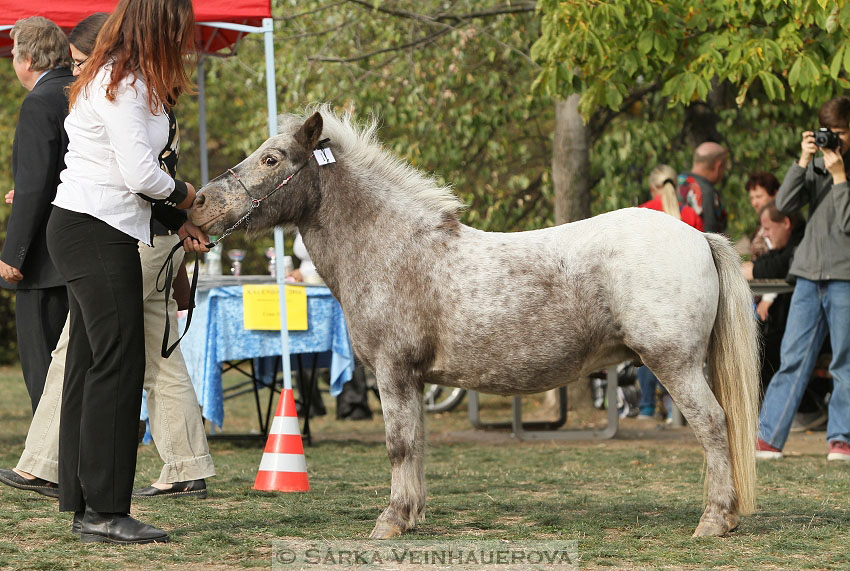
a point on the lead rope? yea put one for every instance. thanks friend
(168, 265)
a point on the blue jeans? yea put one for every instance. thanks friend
(647, 381)
(816, 308)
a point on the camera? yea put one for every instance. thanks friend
(826, 139)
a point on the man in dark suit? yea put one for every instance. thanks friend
(41, 58)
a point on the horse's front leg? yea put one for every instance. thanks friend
(404, 420)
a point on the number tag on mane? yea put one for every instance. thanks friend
(324, 156)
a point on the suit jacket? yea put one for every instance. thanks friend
(38, 157)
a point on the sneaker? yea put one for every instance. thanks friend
(765, 451)
(645, 417)
(838, 450)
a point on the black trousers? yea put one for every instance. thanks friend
(105, 365)
(39, 318)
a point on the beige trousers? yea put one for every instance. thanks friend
(175, 416)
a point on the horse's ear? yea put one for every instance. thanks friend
(310, 132)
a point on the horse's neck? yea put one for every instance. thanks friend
(356, 236)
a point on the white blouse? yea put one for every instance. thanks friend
(113, 149)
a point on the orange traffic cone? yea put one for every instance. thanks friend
(283, 467)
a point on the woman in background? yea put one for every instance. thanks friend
(116, 127)
(662, 184)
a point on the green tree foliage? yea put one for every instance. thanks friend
(604, 50)
(452, 84)
(762, 67)
(451, 90)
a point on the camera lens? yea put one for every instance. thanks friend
(826, 139)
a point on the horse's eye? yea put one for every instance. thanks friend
(269, 161)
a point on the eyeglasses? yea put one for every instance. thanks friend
(79, 64)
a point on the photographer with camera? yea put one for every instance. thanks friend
(821, 300)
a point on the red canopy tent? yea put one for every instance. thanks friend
(213, 16)
(220, 25)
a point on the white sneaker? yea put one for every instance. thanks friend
(838, 450)
(765, 451)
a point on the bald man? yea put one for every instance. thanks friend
(696, 187)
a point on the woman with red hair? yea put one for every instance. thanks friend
(116, 127)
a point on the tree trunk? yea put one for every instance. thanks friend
(701, 119)
(571, 181)
(570, 163)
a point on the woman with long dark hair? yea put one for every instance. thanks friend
(116, 127)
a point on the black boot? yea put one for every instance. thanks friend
(77, 523)
(117, 528)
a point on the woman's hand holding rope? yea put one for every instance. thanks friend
(194, 239)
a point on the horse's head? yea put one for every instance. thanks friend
(279, 179)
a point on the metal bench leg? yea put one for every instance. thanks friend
(476, 421)
(587, 434)
(542, 430)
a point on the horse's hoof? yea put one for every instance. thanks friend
(732, 521)
(385, 530)
(710, 529)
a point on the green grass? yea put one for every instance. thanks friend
(632, 502)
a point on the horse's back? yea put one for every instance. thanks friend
(578, 294)
(633, 247)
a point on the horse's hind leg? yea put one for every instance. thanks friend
(401, 401)
(693, 396)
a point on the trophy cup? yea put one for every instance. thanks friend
(236, 256)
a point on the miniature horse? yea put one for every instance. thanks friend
(430, 300)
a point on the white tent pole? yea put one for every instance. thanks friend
(213, 257)
(271, 98)
(202, 121)
(271, 90)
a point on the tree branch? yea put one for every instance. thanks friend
(535, 188)
(309, 12)
(495, 11)
(425, 40)
(599, 121)
(314, 34)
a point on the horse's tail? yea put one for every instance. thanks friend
(733, 367)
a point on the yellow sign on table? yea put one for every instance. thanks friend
(261, 307)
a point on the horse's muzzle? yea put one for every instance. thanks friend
(205, 214)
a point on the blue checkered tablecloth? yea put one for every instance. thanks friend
(217, 334)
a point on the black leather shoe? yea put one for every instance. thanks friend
(188, 489)
(43, 487)
(118, 528)
(77, 523)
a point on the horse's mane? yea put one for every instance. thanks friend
(359, 145)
